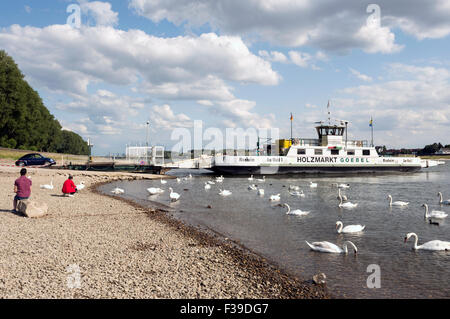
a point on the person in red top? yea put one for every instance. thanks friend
(69, 187)
(22, 187)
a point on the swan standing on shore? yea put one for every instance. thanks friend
(327, 247)
(48, 186)
(434, 214)
(397, 203)
(117, 190)
(297, 212)
(443, 202)
(431, 245)
(349, 228)
(173, 196)
(80, 186)
(347, 205)
(155, 190)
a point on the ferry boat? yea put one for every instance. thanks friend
(331, 152)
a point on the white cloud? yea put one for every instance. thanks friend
(100, 12)
(360, 76)
(163, 117)
(299, 58)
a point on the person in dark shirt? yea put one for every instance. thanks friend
(22, 187)
(69, 187)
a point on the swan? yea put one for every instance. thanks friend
(262, 179)
(434, 214)
(312, 185)
(155, 190)
(261, 192)
(397, 203)
(274, 198)
(296, 212)
(252, 187)
(173, 196)
(443, 202)
(294, 188)
(327, 247)
(117, 190)
(80, 186)
(346, 205)
(219, 179)
(431, 245)
(48, 186)
(225, 192)
(297, 193)
(344, 197)
(207, 186)
(211, 183)
(349, 228)
(251, 178)
(344, 186)
(178, 180)
(163, 181)
(190, 176)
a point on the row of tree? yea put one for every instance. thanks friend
(427, 150)
(25, 122)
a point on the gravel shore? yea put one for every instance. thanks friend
(97, 246)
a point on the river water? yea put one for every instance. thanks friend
(264, 227)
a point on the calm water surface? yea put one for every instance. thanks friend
(263, 226)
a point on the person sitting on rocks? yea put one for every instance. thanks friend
(69, 188)
(22, 188)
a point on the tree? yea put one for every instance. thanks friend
(25, 122)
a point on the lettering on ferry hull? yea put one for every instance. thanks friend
(329, 159)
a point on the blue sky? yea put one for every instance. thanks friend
(235, 64)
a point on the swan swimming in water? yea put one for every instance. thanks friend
(274, 198)
(297, 193)
(117, 190)
(225, 192)
(443, 202)
(344, 186)
(173, 196)
(297, 212)
(312, 185)
(327, 247)
(347, 205)
(294, 188)
(261, 192)
(207, 186)
(344, 197)
(434, 214)
(250, 178)
(349, 228)
(397, 203)
(262, 180)
(163, 181)
(252, 187)
(431, 245)
(155, 190)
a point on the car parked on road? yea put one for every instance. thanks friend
(35, 159)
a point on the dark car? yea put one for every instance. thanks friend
(34, 159)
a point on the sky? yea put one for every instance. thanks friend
(105, 69)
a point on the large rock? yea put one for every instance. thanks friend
(32, 209)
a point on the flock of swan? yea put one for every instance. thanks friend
(319, 246)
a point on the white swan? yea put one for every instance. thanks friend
(347, 205)
(262, 180)
(344, 186)
(344, 197)
(294, 188)
(327, 247)
(178, 180)
(163, 181)
(274, 198)
(297, 212)
(219, 179)
(397, 203)
(297, 193)
(252, 187)
(117, 190)
(261, 192)
(434, 214)
(251, 178)
(211, 183)
(349, 228)
(431, 245)
(225, 192)
(443, 202)
(312, 185)
(80, 186)
(155, 190)
(173, 196)
(48, 186)
(207, 186)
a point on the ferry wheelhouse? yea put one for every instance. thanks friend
(331, 152)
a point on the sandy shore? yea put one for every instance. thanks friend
(122, 250)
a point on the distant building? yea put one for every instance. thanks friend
(443, 151)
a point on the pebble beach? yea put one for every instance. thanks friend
(98, 246)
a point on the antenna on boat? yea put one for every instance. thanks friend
(329, 114)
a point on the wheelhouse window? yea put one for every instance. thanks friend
(301, 151)
(366, 152)
(318, 151)
(350, 152)
(334, 152)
